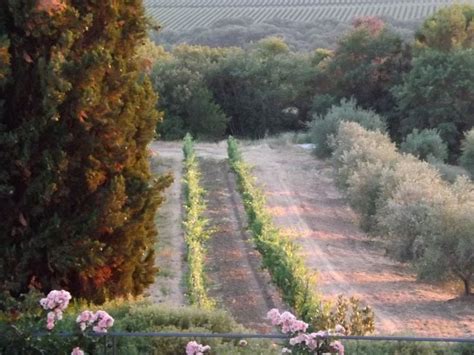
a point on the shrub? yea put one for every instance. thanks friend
(467, 156)
(450, 248)
(186, 101)
(426, 144)
(323, 129)
(408, 217)
(322, 104)
(354, 145)
(304, 339)
(196, 230)
(365, 187)
(425, 219)
(448, 172)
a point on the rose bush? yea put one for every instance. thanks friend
(303, 342)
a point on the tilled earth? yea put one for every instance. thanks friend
(237, 280)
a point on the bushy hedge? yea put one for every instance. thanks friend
(287, 269)
(426, 144)
(449, 172)
(196, 230)
(424, 218)
(323, 129)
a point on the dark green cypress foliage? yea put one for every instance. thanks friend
(76, 196)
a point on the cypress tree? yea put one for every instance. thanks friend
(76, 115)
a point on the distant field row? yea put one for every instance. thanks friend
(188, 14)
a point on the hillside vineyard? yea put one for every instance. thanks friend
(188, 14)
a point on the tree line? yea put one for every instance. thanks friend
(266, 88)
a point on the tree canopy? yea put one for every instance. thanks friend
(78, 200)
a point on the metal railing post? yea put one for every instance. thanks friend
(114, 345)
(105, 344)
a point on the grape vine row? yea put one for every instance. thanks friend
(188, 14)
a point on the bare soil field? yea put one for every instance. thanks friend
(237, 281)
(306, 204)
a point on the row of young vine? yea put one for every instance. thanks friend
(196, 230)
(188, 16)
(288, 271)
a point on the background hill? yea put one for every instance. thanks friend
(304, 24)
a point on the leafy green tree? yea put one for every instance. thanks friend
(448, 29)
(78, 200)
(366, 64)
(186, 101)
(426, 145)
(439, 93)
(264, 90)
(323, 129)
(450, 247)
(272, 46)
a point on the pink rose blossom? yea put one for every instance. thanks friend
(274, 316)
(77, 351)
(289, 323)
(340, 329)
(97, 329)
(321, 334)
(100, 321)
(55, 302)
(337, 346)
(309, 343)
(307, 339)
(51, 317)
(194, 348)
(85, 317)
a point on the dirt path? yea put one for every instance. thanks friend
(236, 279)
(170, 244)
(305, 202)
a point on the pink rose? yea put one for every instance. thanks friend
(194, 348)
(77, 351)
(337, 346)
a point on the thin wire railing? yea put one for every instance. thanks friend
(110, 340)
